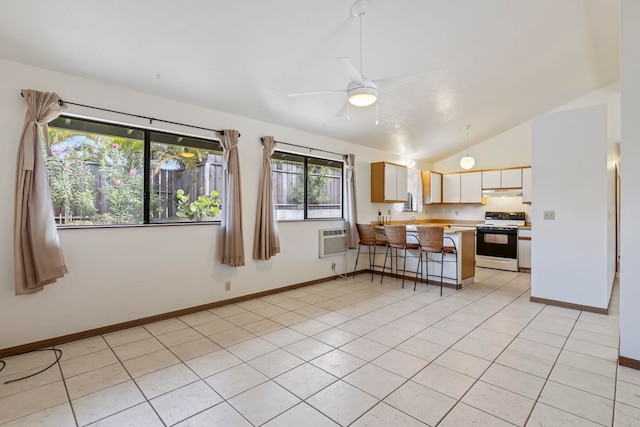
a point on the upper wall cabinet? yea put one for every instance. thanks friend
(431, 187)
(471, 187)
(526, 185)
(388, 183)
(463, 187)
(451, 188)
(491, 179)
(512, 178)
(505, 178)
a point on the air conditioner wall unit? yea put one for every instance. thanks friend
(332, 242)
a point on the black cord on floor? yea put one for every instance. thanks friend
(58, 357)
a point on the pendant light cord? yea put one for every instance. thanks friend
(468, 126)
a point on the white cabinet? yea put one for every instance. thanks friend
(511, 178)
(451, 188)
(524, 249)
(491, 179)
(505, 178)
(471, 187)
(388, 182)
(431, 187)
(526, 185)
(462, 187)
(402, 183)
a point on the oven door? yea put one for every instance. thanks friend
(499, 242)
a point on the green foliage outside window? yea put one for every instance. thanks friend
(316, 186)
(207, 205)
(71, 185)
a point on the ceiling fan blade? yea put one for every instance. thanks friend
(343, 111)
(317, 92)
(398, 102)
(351, 72)
(395, 81)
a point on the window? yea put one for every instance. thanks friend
(97, 174)
(306, 187)
(414, 195)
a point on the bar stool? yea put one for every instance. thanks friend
(369, 238)
(432, 242)
(397, 241)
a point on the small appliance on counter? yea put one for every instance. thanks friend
(497, 240)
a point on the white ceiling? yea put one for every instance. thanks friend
(495, 63)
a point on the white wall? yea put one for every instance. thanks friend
(571, 176)
(508, 149)
(630, 181)
(121, 274)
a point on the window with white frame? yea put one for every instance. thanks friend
(102, 173)
(414, 191)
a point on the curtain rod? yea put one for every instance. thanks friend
(307, 148)
(151, 119)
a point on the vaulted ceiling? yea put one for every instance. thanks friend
(492, 64)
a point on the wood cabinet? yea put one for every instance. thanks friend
(451, 188)
(431, 187)
(526, 185)
(505, 178)
(471, 187)
(388, 183)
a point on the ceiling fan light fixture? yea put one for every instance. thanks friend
(363, 96)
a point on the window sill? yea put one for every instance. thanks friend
(310, 219)
(169, 224)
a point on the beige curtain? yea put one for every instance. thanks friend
(38, 257)
(350, 210)
(233, 243)
(266, 242)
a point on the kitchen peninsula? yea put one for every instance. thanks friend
(456, 274)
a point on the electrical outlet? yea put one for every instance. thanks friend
(388, 211)
(227, 285)
(333, 266)
(549, 215)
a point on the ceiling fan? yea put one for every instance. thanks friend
(362, 91)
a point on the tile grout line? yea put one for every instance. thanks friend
(66, 389)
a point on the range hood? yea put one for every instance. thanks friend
(506, 192)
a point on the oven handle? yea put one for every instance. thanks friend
(494, 231)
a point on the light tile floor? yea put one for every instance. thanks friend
(345, 352)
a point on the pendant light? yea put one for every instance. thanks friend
(467, 162)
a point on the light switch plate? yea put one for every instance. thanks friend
(550, 215)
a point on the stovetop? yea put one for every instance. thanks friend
(504, 219)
